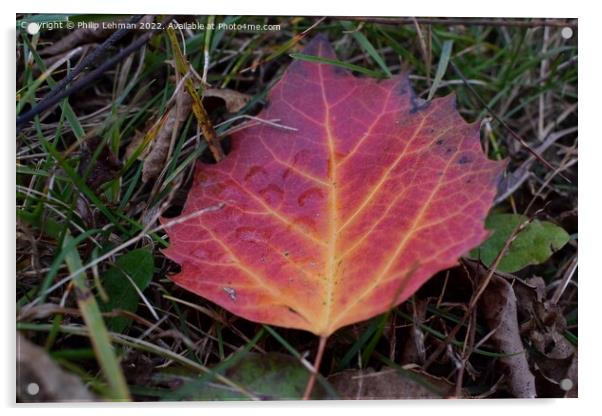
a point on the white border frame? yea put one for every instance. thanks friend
(589, 195)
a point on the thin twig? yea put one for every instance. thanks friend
(316, 368)
(462, 21)
(515, 179)
(565, 280)
(86, 81)
(183, 67)
(93, 57)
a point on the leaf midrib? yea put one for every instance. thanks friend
(331, 268)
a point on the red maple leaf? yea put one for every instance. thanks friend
(343, 218)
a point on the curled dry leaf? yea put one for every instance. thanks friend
(343, 218)
(542, 326)
(499, 310)
(163, 130)
(36, 368)
(234, 100)
(154, 162)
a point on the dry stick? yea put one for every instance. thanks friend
(503, 123)
(424, 50)
(466, 351)
(47, 73)
(461, 21)
(86, 81)
(183, 67)
(516, 178)
(314, 373)
(565, 280)
(93, 57)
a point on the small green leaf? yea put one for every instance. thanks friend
(138, 266)
(533, 245)
(270, 376)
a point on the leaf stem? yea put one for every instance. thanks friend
(312, 378)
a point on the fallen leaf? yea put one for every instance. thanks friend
(543, 325)
(234, 100)
(343, 218)
(533, 245)
(158, 133)
(499, 310)
(133, 268)
(270, 376)
(389, 384)
(40, 379)
(154, 161)
(534, 308)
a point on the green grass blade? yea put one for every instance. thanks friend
(99, 335)
(365, 44)
(446, 50)
(357, 346)
(351, 67)
(66, 108)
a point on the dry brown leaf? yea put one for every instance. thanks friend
(37, 371)
(134, 145)
(389, 384)
(543, 325)
(234, 100)
(168, 125)
(498, 308)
